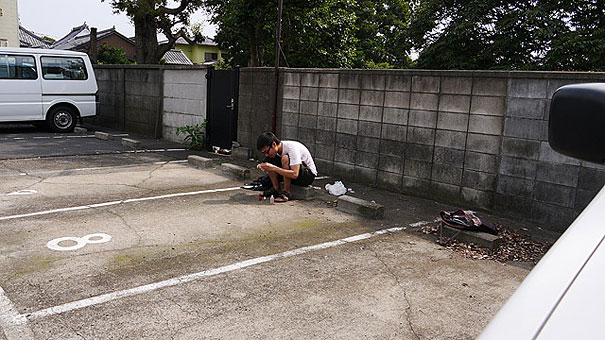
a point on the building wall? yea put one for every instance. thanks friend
(475, 139)
(9, 22)
(196, 53)
(114, 40)
(152, 100)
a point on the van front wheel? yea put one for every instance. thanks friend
(61, 119)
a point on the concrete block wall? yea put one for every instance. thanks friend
(111, 97)
(185, 94)
(256, 98)
(152, 100)
(143, 88)
(476, 139)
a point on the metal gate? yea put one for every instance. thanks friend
(222, 107)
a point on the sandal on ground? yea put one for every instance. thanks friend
(283, 197)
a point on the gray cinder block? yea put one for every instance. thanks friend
(200, 162)
(528, 88)
(131, 143)
(241, 153)
(357, 206)
(236, 170)
(328, 80)
(103, 135)
(80, 130)
(302, 193)
(480, 239)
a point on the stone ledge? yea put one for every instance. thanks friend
(80, 130)
(236, 170)
(131, 143)
(200, 162)
(357, 206)
(242, 153)
(302, 193)
(478, 238)
(103, 135)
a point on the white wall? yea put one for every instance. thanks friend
(9, 22)
(184, 100)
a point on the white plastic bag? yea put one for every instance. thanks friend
(336, 189)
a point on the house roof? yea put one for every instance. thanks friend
(81, 35)
(176, 57)
(30, 39)
(182, 41)
(66, 42)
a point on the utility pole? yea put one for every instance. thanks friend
(277, 50)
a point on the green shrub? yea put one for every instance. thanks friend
(195, 135)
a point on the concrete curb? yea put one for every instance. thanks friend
(480, 239)
(242, 153)
(357, 206)
(200, 162)
(103, 135)
(80, 130)
(131, 143)
(302, 193)
(236, 170)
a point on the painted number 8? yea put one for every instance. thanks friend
(80, 241)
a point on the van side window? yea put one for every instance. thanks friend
(17, 67)
(63, 68)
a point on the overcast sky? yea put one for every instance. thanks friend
(56, 18)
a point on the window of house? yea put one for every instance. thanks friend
(63, 68)
(3, 43)
(210, 56)
(17, 67)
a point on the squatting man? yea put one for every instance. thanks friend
(287, 160)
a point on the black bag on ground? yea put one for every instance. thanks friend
(467, 220)
(260, 184)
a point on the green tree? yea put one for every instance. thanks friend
(381, 34)
(153, 16)
(509, 34)
(315, 33)
(112, 55)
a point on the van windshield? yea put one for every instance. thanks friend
(63, 68)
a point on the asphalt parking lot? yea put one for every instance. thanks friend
(99, 242)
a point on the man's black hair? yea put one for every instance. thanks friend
(266, 139)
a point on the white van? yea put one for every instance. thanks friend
(54, 87)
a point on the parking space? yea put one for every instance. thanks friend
(142, 245)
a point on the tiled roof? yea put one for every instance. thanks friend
(67, 41)
(176, 57)
(81, 35)
(31, 40)
(182, 41)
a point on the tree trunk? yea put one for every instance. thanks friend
(146, 41)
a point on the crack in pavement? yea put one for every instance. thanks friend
(139, 237)
(150, 174)
(409, 305)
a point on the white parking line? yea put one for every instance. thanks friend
(99, 299)
(96, 168)
(11, 322)
(106, 204)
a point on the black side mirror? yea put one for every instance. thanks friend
(576, 126)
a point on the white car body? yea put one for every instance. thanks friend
(562, 297)
(32, 99)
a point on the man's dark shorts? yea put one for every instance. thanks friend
(305, 176)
